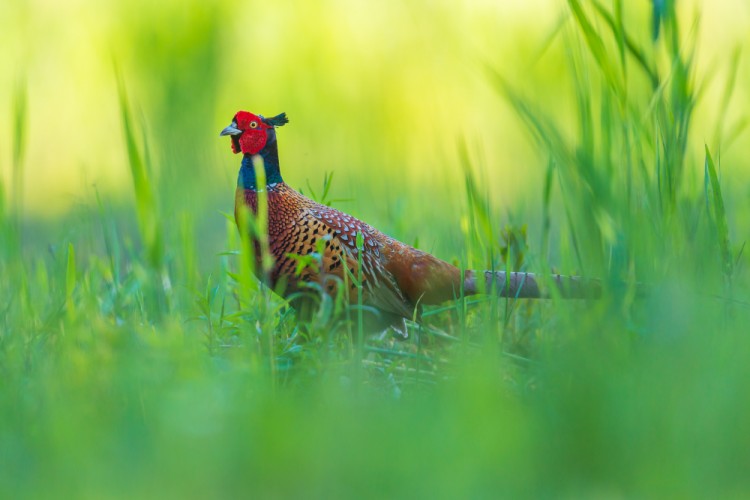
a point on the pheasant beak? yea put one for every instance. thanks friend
(231, 130)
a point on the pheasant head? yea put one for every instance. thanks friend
(250, 133)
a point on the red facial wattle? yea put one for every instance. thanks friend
(254, 135)
(252, 142)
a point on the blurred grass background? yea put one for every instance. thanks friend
(137, 356)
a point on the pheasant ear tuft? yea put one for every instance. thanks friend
(276, 121)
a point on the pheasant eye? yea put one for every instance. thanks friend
(253, 124)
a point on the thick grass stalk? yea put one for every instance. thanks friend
(261, 219)
(626, 44)
(715, 201)
(70, 282)
(111, 241)
(597, 47)
(20, 126)
(20, 118)
(145, 198)
(360, 243)
(258, 233)
(481, 226)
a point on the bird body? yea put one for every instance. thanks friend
(396, 278)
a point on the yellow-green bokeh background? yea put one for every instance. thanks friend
(146, 374)
(380, 93)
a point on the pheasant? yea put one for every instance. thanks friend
(396, 278)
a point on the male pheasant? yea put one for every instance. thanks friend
(397, 279)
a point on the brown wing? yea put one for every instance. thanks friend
(380, 288)
(409, 276)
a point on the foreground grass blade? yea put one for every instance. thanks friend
(146, 206)
(719, 216)
(20, 126)
(596, 46)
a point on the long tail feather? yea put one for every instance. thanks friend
(527, 285)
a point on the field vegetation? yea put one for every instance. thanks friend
(140, 358)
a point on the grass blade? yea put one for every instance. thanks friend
(596, 46)
(719, 216)
(70, 280)
(146, 206)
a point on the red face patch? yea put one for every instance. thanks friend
(254, 135)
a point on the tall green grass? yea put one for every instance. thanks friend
(135, 363)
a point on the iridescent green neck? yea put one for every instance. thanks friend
(270, 157)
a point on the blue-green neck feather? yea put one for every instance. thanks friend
(270, 156)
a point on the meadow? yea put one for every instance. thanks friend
(139, 356)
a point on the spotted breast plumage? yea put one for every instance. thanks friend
(396, 278)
